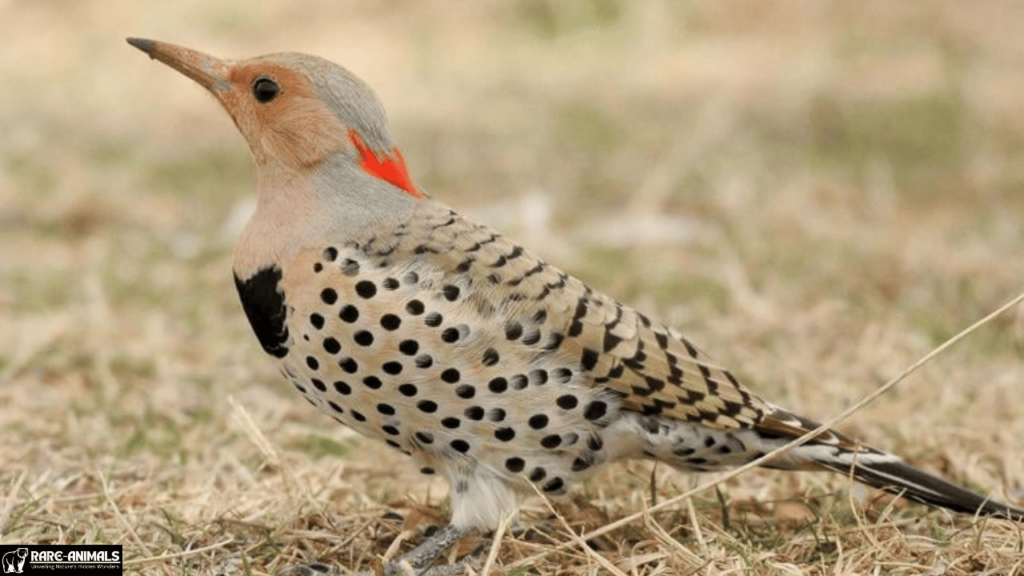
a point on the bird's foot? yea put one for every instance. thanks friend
(311, 569)
(390, 569)
(416, 562)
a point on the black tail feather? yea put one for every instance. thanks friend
(893, 475)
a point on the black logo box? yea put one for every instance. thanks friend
(39, 558)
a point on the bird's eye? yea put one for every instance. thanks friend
(265, 90)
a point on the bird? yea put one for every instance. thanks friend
(408, 322)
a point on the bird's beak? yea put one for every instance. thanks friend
(211, 73)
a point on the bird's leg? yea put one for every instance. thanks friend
(418, 560)
(426, 552)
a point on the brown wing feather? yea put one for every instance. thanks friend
(658, 370)
(654, 369)
(787, 425)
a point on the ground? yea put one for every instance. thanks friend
(818, 194)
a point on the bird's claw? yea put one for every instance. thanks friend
(390, 569)
(311, 569)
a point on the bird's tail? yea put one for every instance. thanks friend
(833, 451)
(894, 475)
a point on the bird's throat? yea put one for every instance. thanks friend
(390, 168)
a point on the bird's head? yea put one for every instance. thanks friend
(296, 111)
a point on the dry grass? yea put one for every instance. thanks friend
(818, 193)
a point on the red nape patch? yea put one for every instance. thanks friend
(390, 169)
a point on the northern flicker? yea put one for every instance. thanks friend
(398, 317)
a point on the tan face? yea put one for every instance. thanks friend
(280, 116)
(288, 124)
(273, 105)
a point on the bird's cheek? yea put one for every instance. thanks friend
(248, 122)
(303, 135)
(290, 149)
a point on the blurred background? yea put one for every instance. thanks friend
(816, 192)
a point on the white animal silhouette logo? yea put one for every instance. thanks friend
(14, 561)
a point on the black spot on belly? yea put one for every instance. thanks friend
(595, 410)
(562, 375)
(567, 401)
(518, 381)
(390, 322)
(363, 338)
(498, 385)
(349, 313)
(332, 346)
(329, 296)
(349, 267)
(409, 347)
(554, 485)
(582, 463)
(490, 357)
(551, 441)
(513, 330)
(366, 289)
(265, 308)
(451, 293)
